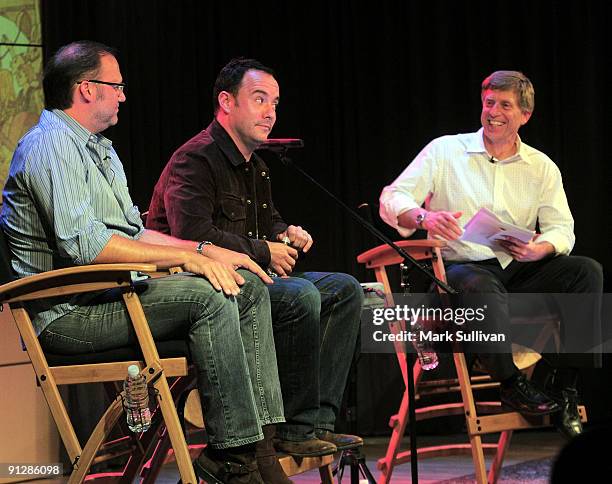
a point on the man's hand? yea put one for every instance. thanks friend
(282, 258)
(526, 251)
(443, 224)
(298, 237)
(235, 260)
(223, 277)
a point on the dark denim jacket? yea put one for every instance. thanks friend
(208, 191)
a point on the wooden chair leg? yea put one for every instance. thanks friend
(498, 460)
(325, 472)
(399, 421)
(166, 402)
(180, 389)
(47, 384)
(100, 433)
(469, 407)
(480, 467)
(175, 432)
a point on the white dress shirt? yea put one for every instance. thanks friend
(458, 172)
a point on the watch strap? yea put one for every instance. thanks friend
(201, 245)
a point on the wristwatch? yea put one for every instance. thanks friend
(201, 245)
(420, 218)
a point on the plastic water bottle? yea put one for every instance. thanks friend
(428, 358)
(137, 400)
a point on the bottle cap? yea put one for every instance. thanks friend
(133, 370)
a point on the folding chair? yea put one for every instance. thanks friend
(110, 366)
(481, 417)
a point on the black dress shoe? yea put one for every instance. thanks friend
(227, 467)
(523, 396)
(341, 441)
(568, 420)
(305, 448)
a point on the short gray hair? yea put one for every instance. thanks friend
(512, 81)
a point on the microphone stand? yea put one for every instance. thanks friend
(282, 154)
(408, 259)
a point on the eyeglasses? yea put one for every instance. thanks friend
(117, 86)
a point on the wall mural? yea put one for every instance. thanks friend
(21, 96)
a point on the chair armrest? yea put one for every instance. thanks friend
(383, 255)
(71, 280)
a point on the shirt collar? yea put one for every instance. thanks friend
(226, 143)
(83, 134)
(475, 144)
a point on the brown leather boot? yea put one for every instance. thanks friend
(235, 465)
(270, 469)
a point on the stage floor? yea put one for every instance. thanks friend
(527, 447)
(528, 460)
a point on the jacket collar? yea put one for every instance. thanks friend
(226, 143)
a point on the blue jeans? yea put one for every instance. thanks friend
(230, 340)
(316, 321)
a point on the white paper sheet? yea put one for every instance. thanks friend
(486, 228)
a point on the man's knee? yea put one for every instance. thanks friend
(295, 299)
(349, 288)
(308, 298)
(253, 286)
(588, 272)
(200, 290)
(191, 296)
(470, 278)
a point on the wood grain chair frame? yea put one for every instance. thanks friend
(481, 417)
(83, 279)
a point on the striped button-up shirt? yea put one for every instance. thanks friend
(65, 196)
(523, 189)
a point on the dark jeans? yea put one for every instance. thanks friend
(230, 340)
(316, 321)
(562, 274)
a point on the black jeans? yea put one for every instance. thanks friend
(561, 274)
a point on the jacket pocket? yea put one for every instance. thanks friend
(233, 207)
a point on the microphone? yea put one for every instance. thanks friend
(281, 144)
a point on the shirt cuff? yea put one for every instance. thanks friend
(91, 244)
(558, 241)
(262, 253)
(392, 208)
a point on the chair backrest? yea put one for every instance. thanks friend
(6, 270)
(379, 257)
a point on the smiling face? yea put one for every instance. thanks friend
(251, 114)
(501, 116)
(106, 106)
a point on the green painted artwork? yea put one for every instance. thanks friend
(21, 96)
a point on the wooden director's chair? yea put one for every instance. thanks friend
(165, 439)
(481, 417)
(53, 371)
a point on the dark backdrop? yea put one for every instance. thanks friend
(366, 85)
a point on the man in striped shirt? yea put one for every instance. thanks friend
(66, 203)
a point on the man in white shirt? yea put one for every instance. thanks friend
(493, 168)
